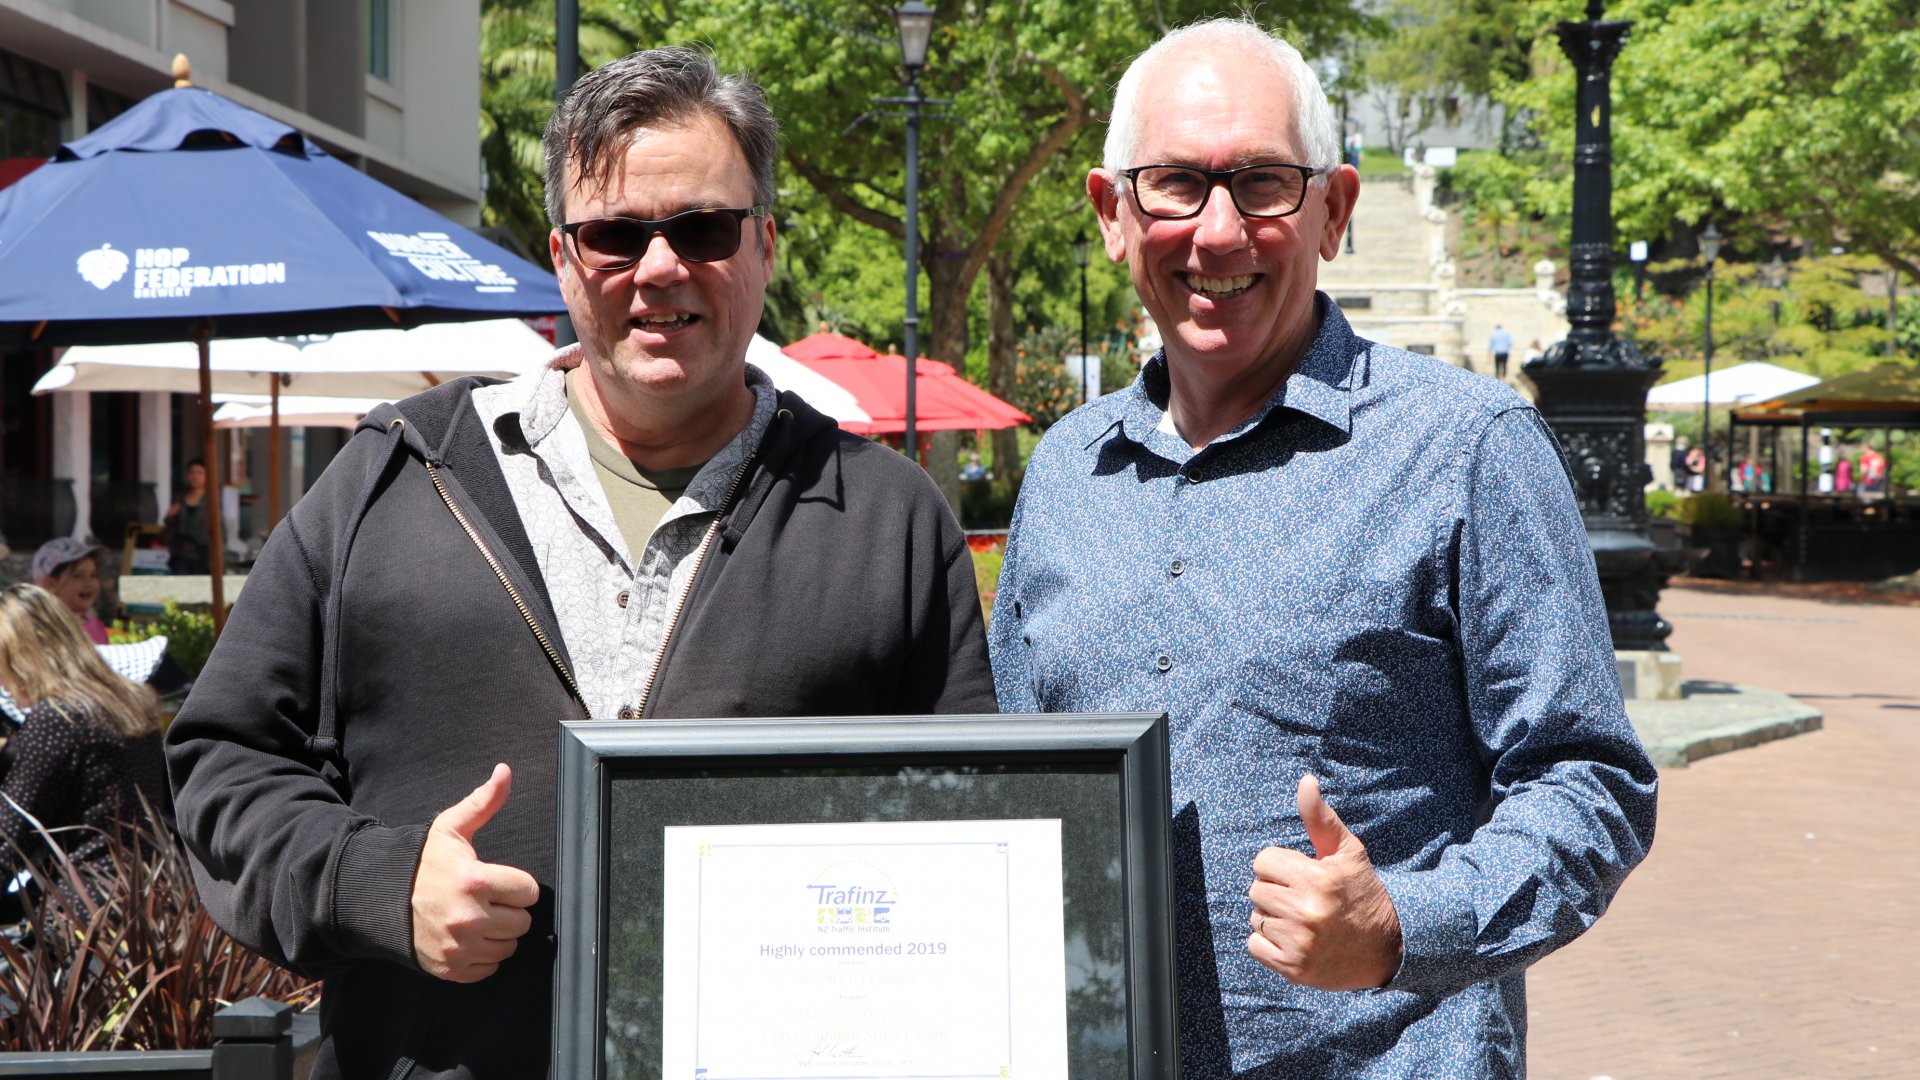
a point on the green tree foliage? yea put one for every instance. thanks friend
(516, 98)
(1775, 118)
(1025, 85)
(1443, 52)
(1820, 321)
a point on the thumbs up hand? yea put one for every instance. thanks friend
(1326, 921)
(468, 915)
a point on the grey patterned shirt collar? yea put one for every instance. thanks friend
(537, 401)
(1320, 387)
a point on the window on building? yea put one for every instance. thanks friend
(380, 39)
(33, 104)
(104, 104)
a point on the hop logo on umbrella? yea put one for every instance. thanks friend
(103, 266)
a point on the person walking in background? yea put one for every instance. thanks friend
(1679, 465)
(87, 748)
(1843, 476)
(186, 524)
(1501, 346)
(70, 571)
(1696, 469)
(1873, 471)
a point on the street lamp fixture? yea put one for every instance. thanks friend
(915, 21)
(1710, 250)
(1083, 251)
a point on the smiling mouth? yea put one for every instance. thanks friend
(1218, 288)
(662, 323)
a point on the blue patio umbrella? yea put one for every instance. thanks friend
(193, 217)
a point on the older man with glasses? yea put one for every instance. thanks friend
(645, 528)
(1357, 580)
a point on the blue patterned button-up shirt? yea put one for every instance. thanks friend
(1381, 578)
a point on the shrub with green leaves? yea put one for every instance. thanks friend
(1709, 510)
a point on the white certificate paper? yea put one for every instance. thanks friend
(864, 950)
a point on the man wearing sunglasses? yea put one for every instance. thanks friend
(1357, 580)
(643, 529)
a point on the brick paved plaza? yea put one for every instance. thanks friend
(1774, 931)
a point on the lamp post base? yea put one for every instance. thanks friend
(1596, 406)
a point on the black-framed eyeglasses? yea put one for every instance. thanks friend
(1270, 189)
(615, 243)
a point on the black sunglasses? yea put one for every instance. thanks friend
(615, 243)
(1271, 189)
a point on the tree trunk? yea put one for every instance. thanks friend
(947, 290)
(1002, 360)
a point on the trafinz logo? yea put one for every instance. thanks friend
(435, 255)
(103, 266)
(852, 897)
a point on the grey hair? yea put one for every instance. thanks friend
(1313, 116)
(590, 127)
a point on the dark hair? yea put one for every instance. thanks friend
(590, 126)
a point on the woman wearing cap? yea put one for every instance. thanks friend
(88, 747)
(67, 569)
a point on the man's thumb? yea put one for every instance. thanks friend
(467, 816)
(1324, 827)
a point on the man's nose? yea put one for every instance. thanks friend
(1219, 226)
(660, 265)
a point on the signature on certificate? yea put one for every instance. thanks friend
(832, 1050)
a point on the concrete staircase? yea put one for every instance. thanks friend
(1387, 285)
(1398, 285)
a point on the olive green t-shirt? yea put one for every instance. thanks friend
(638, 497)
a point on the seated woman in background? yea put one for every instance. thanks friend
(88, 747)
(70, 571)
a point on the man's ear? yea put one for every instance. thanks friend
(1103, 189)
(557, 251)
(769, 235)
(1343, 192)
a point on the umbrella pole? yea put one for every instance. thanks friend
(216, 541)
(273, 459)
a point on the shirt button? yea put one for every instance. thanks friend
(1164, 662)
(1177, 568)
(1193, 476)
(621, 599)
(628, 712)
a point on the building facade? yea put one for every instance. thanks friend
(391, 87)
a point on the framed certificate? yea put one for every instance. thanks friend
(963, 898)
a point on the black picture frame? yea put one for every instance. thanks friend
(1130, 748)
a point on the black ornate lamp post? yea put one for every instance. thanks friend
(1082, 251)
(915, 21)
(1592, 387)
(1709, 250)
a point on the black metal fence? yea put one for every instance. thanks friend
(255, 1039)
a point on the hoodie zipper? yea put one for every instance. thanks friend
(525, 612)
(680, 602)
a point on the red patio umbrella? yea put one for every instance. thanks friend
(944, 400)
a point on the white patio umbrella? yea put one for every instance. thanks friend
(383, 365)
(1741, 383)
(255, 411)
(816, 389)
